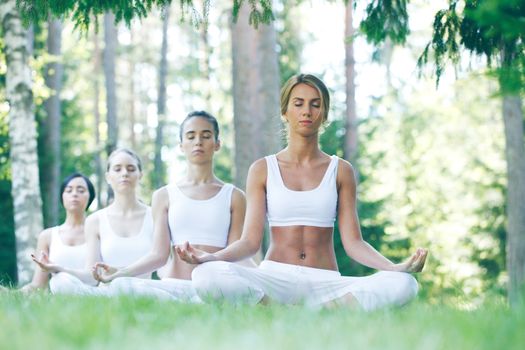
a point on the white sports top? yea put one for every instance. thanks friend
(70, 256)
(119, 251)
(285, 207)
(205, 222)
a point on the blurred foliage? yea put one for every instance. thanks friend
(289, 40)
(489, 28)
(442, 175)
(386, 19)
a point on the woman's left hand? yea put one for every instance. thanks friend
(193, 255)
(415, 263)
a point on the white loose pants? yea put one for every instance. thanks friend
(165, 289)
(65, 283)
(294, 284)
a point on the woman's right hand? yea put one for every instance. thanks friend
(193, 255)
(45, 264)
(103, 272)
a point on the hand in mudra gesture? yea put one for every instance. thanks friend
(103, 272)
(193, 255)
(414, 263)
(45, 264)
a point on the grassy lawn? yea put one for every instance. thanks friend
(42, 321)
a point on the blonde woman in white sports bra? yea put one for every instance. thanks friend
(301, 190)
(64, 245)
(118, 234)
(199, 208)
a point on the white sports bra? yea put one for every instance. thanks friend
(70, 256)
(285, 207)
(119, 251)
(205, 222)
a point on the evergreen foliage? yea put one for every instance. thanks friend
(485, 28)
(83, 12)
(386, 19)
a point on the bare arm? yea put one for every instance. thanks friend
(40, 277)
(350, 231)
(93, 254)
(159, 252)
(252, 232)
(238, 211)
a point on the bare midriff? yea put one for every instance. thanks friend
(181, 269)
(303, 245)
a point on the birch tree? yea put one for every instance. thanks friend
(27, 204)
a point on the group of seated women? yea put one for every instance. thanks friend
(200, 233)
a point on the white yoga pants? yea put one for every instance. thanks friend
(293, 284)
(65, 283)
(166, 288)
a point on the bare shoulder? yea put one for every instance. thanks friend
(238, 196)
(92, 219)
(160, 201)
(345, 172)
(160, 195)
(237, 193)
(45, 235)
(258, 170)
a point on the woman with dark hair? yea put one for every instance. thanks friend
(65, 244)
(118, 234)
(302, 190)
(200, 208)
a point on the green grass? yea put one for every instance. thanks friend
(42, 321)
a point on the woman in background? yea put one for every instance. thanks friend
(200, 208)
(118, 234)
(65, 245)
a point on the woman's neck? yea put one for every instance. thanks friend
(74, 219)
(200, 173)
(302, 149)
(125, 202)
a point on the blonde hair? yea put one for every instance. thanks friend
(125, 150)
(312, 81)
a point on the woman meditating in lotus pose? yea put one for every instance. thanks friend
(118, 234)
(302, 190)
(200, 209)
(65, 244)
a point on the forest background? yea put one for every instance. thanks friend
(432, 162)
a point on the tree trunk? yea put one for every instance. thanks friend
(159, 171)
(255, 93)
(131, 93)
(96, 112)
(350, 151)
(515, 154)
(206, 70)
(27, 204)
(51, 172)
(108, 61)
